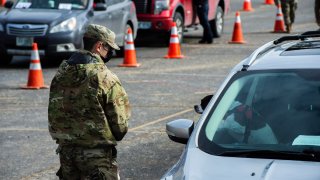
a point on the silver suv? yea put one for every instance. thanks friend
(262, 123)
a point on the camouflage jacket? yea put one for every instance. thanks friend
(88, 105)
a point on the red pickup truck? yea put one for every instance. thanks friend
(155, 17)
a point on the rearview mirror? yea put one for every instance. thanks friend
(180, 130)
(100, 7)
(204, 103)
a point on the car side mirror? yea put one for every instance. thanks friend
(8, 4)
(180, 130)
(100, 7)
(204, 103)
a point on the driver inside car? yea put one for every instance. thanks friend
(244, 125)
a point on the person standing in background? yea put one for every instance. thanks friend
(317, 11)
(288, 9)
(202, 12)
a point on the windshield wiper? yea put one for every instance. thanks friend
(287, 155)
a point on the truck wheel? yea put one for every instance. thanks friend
(120, 53)
(178, 19)
(217, 23)
(5, 59)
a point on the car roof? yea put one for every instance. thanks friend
(301, 52)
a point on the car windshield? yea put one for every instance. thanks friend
(265, 110)
(52, 4)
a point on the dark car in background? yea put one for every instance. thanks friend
(58, 25)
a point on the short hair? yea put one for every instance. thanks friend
(88, 43)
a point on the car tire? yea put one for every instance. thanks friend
(120, 53)
(178, 19)
(217, 23)
(5, 59)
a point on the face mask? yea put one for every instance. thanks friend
(108, 56)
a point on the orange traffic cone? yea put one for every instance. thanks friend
(130, 57)
(237, 37)
(174, 46)
(279, 23)
(247, 5)
(35, 79)
(269, 2)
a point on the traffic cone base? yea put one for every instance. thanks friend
(130, 57)
(174, 57)
(174, 46)
(237, 37)
(174, 53)
(269, 2)
(35, 78)
(237, 42)
(33, 87)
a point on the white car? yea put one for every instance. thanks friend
(262, 123)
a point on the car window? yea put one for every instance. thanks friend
(269, 109)
(52, 4)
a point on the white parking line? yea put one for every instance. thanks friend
(131, 129)
(161, 119)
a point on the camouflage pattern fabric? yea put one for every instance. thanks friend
(101, 33)
(288, 9)
(91, 164)
(88, 112)
(88, 105)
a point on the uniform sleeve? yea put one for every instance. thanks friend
(117, 110)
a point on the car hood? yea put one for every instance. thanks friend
(200, 165)
(43, 16)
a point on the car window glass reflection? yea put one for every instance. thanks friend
(273, 109)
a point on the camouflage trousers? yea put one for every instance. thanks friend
(77, 163)
(288, 9)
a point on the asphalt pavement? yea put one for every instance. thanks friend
(159, 90)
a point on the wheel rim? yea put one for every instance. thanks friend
(179, 28)
(125, 34)
(219, 22)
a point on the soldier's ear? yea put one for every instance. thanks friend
(97, 47)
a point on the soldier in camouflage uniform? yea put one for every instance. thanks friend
(88, 110)
(288, 9)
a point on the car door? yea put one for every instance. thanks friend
(190, 12)
(112, 17)
(101, 17)
(117, 10)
